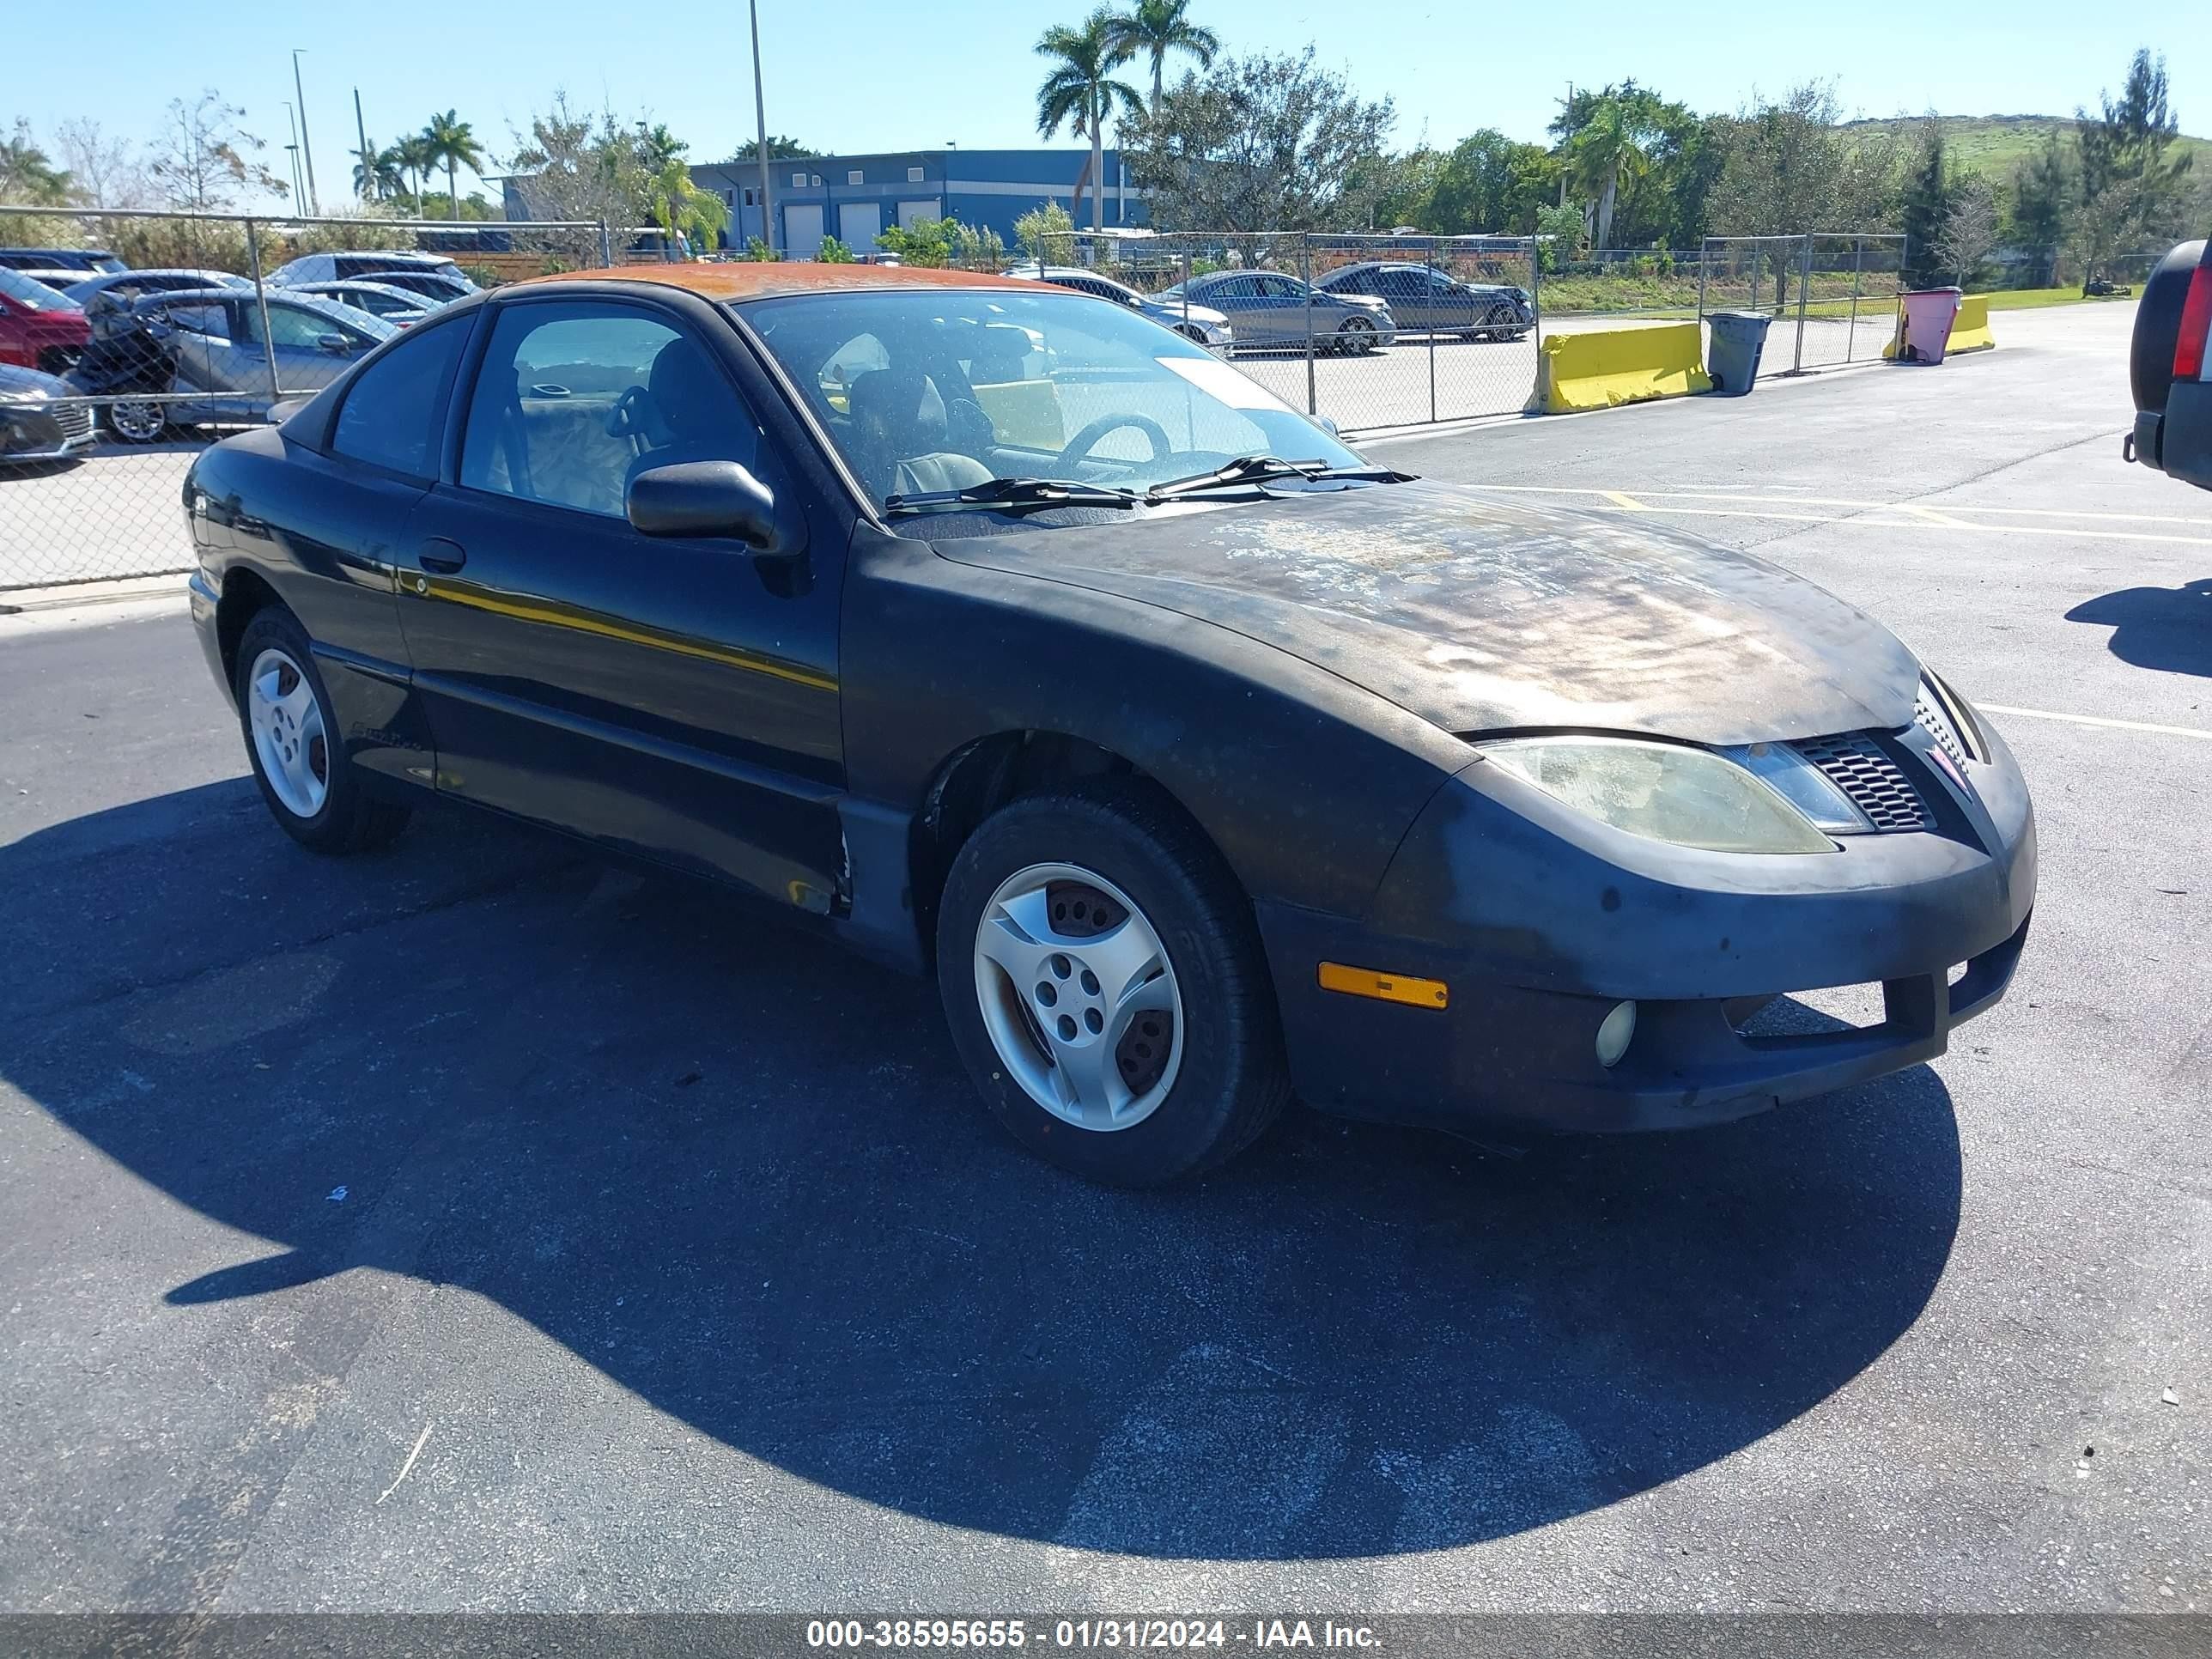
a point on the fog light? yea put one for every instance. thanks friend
(1615, 1032)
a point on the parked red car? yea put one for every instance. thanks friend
(40, 328)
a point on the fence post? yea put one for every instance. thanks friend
(1183, 287)
(606, 245)
(1430, 275)
(1858, 271)
(1804, 287)
(1305, 276)
(1536, 293)
(261, 303)
(1705, 249)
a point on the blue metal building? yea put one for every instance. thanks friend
(853, 198)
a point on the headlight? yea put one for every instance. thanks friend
(1664, 791)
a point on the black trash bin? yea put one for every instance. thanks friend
(1732, 359)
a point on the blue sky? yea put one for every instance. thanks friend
(869, 75)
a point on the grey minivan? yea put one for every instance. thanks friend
(1269, 310)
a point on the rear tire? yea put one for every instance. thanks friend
(138, 420)
(293, 744)
(1194, 1072)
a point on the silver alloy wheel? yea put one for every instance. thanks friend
(137, 420)
(1358, 334)
(288, 739)
(1078, 996)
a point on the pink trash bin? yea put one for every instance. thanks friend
(1923, 323)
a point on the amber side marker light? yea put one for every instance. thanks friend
(1383, 987)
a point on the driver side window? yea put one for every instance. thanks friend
(574, 400)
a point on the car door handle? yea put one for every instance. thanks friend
(441, 556)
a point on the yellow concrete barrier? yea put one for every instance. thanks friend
(1969, 329)
(1597, 368)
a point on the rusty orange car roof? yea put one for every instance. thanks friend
(759, 279)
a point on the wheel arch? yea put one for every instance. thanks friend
(987, 773)
(245, 593)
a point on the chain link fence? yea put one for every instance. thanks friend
(130, 340)
(1832, 295)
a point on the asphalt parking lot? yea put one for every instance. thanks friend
(475, 1226)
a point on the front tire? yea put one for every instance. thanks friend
(138, 420)
(1103, 979)
(293, 744)
(1355, 337)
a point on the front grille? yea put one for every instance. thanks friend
(1930, 717)
(75, 420)
(1875, 783)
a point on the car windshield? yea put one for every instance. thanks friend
(33, 294)
(925, 389)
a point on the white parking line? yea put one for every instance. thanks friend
(1908, 515)
(2095, 720)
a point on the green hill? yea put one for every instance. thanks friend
(1995, 144)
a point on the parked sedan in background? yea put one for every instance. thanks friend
(34, 426)
(1207, 326)
(85, 261)
(123, 288)
(1269, 310)
(397, 306)
(432, 275)
(40, 328)
(1427, 300)
(213, 343)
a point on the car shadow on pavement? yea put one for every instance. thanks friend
(2168, 628)
(741, 1174)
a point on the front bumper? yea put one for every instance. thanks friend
(1540, 922)
(41, 432)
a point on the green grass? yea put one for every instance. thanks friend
(2033, 298)
(1995, 144)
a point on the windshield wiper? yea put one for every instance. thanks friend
(1258, 469)
(1013, 493)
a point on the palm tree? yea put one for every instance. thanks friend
(1153, 28)
(413, 156)
(1608, 151)
(376, 173)
(449, 140)
(1082, 93)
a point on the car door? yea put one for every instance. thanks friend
(197, 332)
(1236, 298)
(675, 698)
(312, 349)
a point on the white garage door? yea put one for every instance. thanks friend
(910, 211)
(802, 229)
(858, 224)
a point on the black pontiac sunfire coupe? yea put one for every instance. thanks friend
(1008, 636)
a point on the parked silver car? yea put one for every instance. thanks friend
(1207, 327)
(1432, 302)
(123, 288)
(214, 343)
(1269, 310)
(397, 306)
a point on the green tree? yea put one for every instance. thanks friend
(1562, 227)
(926, 242)
(779, 148)
(1153, 28)
(376, 172)
(1489, 184)
(449, 142)
(1925, 206)
(1605, 140)
(2042, 192)
(1787, 169)
(1046, 234)
(1261, 143)
(1080, 92)
(833, 252)
(416, 159)
(2131, 189)
(28, 177)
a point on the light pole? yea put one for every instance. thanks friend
(760, 119)
(367, 161)
(306, 145)
(292, 151)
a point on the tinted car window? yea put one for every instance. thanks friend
(214, 321)
(390, 414)
(573, 401)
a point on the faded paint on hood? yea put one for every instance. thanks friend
(1483, 614)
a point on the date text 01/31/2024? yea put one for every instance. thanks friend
(952, 1633)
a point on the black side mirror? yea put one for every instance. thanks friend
(717, 500)
(337, 345)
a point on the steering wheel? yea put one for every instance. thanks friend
(624, 421)
(1080, 446)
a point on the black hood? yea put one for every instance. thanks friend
(1482, 613)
